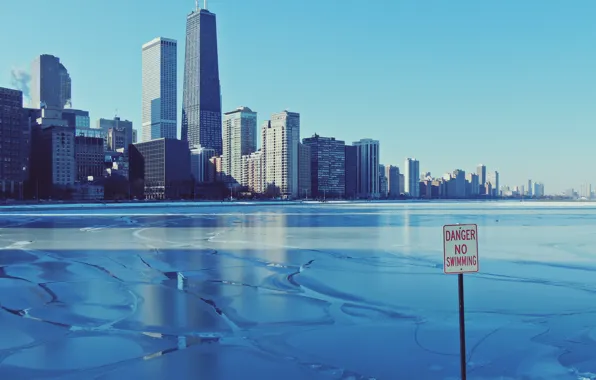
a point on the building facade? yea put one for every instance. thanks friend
(327, 166)
(481, 172)
(159, 75)
(253, 172)
(50, 83)
(165, 165)
(89, 158)
(351, 179)
(14, 144)
(119, 133)
(392, 175)
(239, 136)
(201, 167)
(201, 94)
(367, 172)
(304, 171)
(280, 138)
(412, 175)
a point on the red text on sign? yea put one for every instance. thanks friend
(468, 234)
(461, 261)
(461, 249)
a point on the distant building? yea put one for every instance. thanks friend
(304, 174)
(50, 83)
(165, 165)
(201, 93)
(89, 158)
(119, 133)
(367, 161)
(76, 118)
(538, 190)
(216, 162)
(239, 136)
(280, 139)
(327, 166)
(202, 169)
(412, 173)
(134, 136)
(159, 72)
(351, 176)
(392, 175)
(14, 144)
(473, 186)
(481, 172)
(253, 171)
(458, 184)
(53, 165)
(530, 188)
(383, 182)
(402, 184)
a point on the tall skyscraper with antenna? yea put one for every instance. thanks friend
(201, 94)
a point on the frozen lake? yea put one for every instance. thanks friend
(303, 291)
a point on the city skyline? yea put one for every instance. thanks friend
(408, 137)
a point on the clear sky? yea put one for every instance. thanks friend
(508, 83)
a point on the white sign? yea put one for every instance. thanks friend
(460, 248)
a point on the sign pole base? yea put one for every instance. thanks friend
(462, 326)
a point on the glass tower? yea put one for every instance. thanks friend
(50, 83)
(201, 96)
(159, 89)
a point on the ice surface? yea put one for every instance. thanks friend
(294, 291)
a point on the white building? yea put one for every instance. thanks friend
(252, 172)
(538, 189)
(367, 168)
(280, 137)
(411, 175)
(200, 164)
(159, 89)
(239, 137)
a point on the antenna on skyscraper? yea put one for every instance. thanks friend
(205, 4)
(196, 5)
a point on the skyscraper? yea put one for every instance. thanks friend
(14, 143)
(280, 138)
(327, 166)
(411, 177)
(367, 172)
(239, 139)
(50, 83)
(201, 97)
(159, 89)
(481, 171)
(392, 174)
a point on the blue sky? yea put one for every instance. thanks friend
(508, 83)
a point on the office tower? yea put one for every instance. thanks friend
(367, 168)
(538, 190)
(280, 138)
(201, 96)
(383, 182)
(120, 133)
(14, 143)
(585, 191)
(201, 168)
(253, 175)
(402, 184)
(530, 188)
(239, 136)
(392, 175)
(89, 158)
(495, 183)
(474, 185)
(411, 174)
(457, 184)
(134, 136)
(304, 174)
(50, 83)
(53, 165)
(163, 167)
(351, 177)
(159, 89)
(481, 171)
(76, 118)
(327, 166)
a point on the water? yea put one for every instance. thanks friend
(310, 291)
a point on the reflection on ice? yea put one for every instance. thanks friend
(312, 291)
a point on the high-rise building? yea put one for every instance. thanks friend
(280, 137)
(411, 174)
(585, 191)
(458, 184)
(351, 171)
(201, 96)
(392, 174)
(14, 143)
(481, 171)
(495, 183)
(253, 172)
(239, 136)
(538, 189)
(50, 83)
(163, 167)
(119, 133)
(159, 72)
(89, 158)
(530, 188)
(473, 185)
(76, 118)
(383, 182)
(367, 172)
(327, 166)
(304, 168)
(402, 184)
(201, 167)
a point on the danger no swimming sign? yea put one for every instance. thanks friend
(460, 248)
